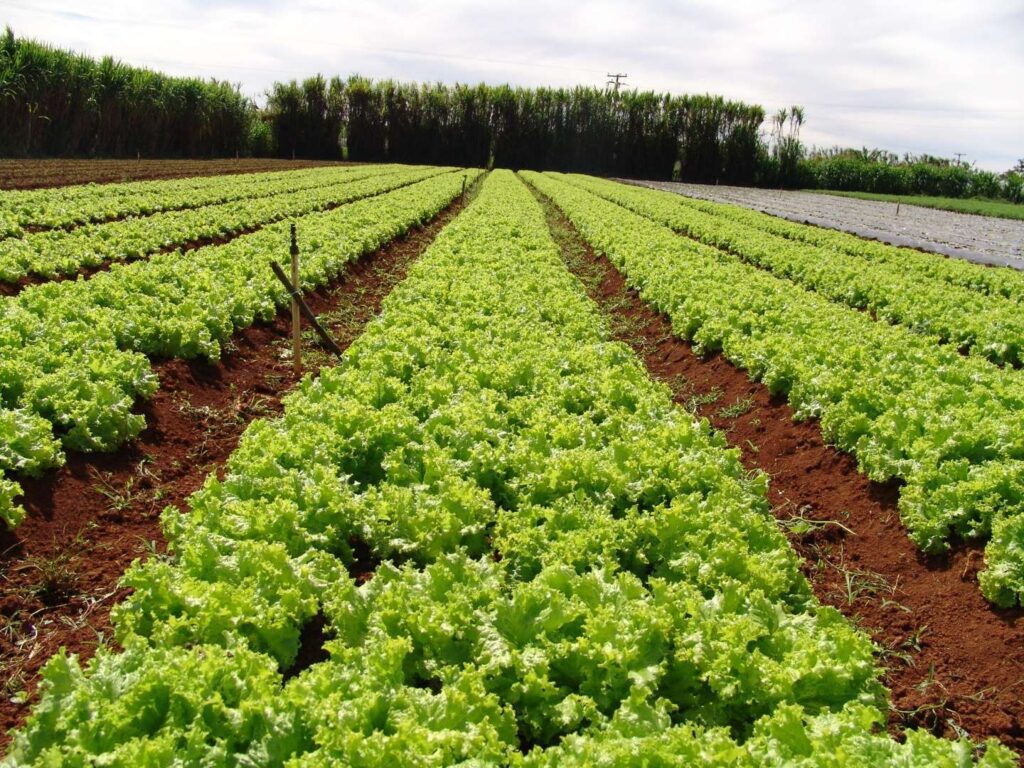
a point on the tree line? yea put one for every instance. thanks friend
(873, 170)
(583, 129)
(57, 103)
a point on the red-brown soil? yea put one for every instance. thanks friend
(35, 174)
(953, 662)
(87, 522)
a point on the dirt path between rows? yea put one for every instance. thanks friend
(87, 522)
(954, 664)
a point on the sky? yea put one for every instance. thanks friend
(921, 76)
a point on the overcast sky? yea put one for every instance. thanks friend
(905, 75)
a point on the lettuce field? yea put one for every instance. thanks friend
(605, 476)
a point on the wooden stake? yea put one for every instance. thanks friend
(307, 313)
(897, 207)
(296, 318)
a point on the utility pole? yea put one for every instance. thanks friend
(958, 156)
(614, 80)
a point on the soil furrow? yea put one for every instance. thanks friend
(87, 522)
(954, 663)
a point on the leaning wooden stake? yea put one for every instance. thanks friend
(306, 311)
(296, 318)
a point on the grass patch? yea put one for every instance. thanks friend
(697, 401)
(1002, 209)
(737, 409)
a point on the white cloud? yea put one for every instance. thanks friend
(908, 75)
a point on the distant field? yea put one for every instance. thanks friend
(36, 174)
(1000, 208)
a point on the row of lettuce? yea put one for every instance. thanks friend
(572, 571)
(1003, 282)
(949, 427)
(892, 288)
(59, 251)
(66, 207)
(74, 355)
